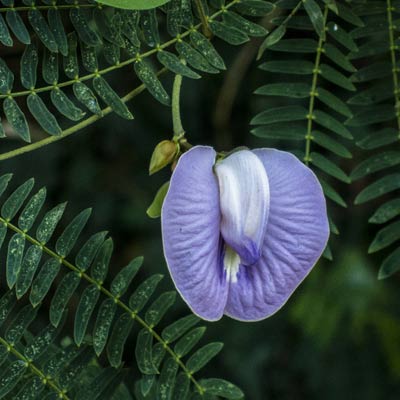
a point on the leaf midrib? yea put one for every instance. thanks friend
(108, 294)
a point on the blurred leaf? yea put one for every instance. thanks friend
(179, 327)
(376, 163)
(119, 335)
(182, 387)
(243, 24)
(7, 81)
(158, 309)
(43, 116)
(167, 379)
(279, 114)
(385, 237)
(143, 292)
(332, 194)
(43, 281)
(103, 324)
(28, 269)
(287, 89)
(123, 279)
(378, 188)
(378, 139)
(331, 123)
(16, 24)
(84, 312)
(228, 33)
(296, 67)
(202, 356)
(41, 28)
(329, 167)
(153, 84)
(65, 289)
(386, 212)
(340, 35)
(83, 27)
(331, 144)
(390, 265)
(187, 342)
(88, 251)
(143, 352)
(207, 50)
(315, 14)
(174, 64)
(285, 131)
(11, 376)
(57, 28)
(222, 388)
(88, 99)
(70, 235)
(134, 4)
(5, 37)
(336, 77)
(16, 118)
(65, 106)
(18, 326)
(254, 8)
(15, 253)
(49, 222)
(271, 39)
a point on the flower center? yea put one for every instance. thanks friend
(244, 203)
(231, 264)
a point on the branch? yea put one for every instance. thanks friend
(75, 128)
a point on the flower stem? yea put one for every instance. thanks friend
(179, 132)
(314, 92)
(184, 144)
(395, 78)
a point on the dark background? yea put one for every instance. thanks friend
(338, 337)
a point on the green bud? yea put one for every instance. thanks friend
(163, 154)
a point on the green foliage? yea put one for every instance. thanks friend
(377, 119)
(330, 72)
(107, 312)
(70, 70)
(313, 79)
(315, 76)
(133, 4)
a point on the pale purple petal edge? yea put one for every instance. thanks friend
(190, 223)
(288, 257)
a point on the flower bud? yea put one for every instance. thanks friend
(163, 154)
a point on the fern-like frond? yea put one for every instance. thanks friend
(75, 128)
(69, 69)
(106, 315)
(33, 365)
(377, 115)
(312, 70)
(62, 372)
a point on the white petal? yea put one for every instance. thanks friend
(244, 201)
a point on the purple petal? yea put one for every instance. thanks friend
(190, 221)
(244, 202)
(297, 233)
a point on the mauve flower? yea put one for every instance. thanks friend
(241, 234)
